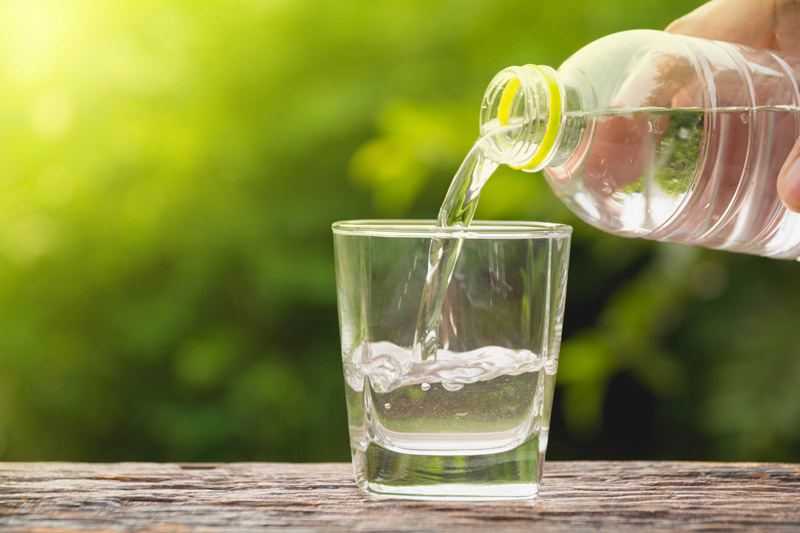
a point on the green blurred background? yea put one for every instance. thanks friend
(170, 171)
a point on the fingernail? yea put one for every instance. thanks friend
(789, 185)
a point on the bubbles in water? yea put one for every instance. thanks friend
(387, 406)
(389, 367)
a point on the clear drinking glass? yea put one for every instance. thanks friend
(471, 422)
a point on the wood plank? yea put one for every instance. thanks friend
(576, 496)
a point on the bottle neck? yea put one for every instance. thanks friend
(523, 117)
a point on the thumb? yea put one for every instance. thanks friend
(789, 180)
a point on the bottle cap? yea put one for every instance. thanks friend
(554, 106)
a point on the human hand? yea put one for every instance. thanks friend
(773, 24)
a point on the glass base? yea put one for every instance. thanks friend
(513, 474)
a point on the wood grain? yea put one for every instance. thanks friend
(576, 496)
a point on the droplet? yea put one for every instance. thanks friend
(452, 387)
(387, 406)
(683, 133)
(743, 118)
(425, 387)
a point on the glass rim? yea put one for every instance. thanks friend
(428, 228)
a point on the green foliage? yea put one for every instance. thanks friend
(680, 147)
(170, 171)
(677, 152)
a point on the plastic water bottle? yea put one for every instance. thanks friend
(659, 136)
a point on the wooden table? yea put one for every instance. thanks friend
(576, 496)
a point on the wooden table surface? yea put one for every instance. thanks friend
(576, 496)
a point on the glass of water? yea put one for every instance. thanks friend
(470, 419)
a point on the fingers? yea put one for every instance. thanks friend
(619, 153)
(749, 22)
(756, 23)
(787, 23)
(759, 24)
(789, 180)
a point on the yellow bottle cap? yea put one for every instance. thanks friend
(553, 120)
